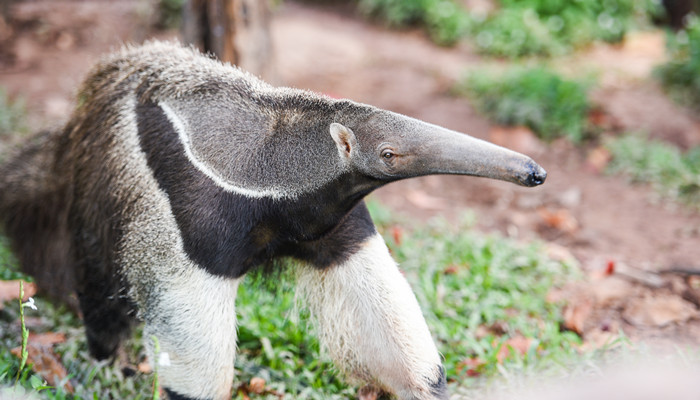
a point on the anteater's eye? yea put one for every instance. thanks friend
(388, 154)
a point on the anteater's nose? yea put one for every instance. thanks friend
(537, 176)
(532, 174)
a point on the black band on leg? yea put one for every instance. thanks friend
(438, 388)
(177, 396)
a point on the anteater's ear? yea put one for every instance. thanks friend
(344, 139)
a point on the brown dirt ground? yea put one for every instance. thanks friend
(600, 220)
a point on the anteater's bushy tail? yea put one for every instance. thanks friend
(34, 201)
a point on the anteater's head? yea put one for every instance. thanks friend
(388, 146)
(286, 143)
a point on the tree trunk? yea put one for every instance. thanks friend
(236, 31)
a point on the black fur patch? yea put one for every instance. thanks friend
(227, 234)
(177, 396)
(438, 388)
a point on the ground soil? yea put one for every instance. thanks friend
(606, 224)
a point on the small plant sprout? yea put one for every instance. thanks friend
(25, 332)
(163, 359)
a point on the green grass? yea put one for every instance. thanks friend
(467, 284)
(681, 74)
(673, 174)
(92, 379)
(274, 343)
(536, 97)
(477, 291)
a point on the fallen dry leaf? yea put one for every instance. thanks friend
(47, 338)
(519, 344)
(256, 385)
(451, 269)
(471, 366)
(498, 328)
(144, 367)
(598, 117)
(560, 219)
(658, 311)
(576, 314)
(9, 290)
(46, 364)
(611, 290)
(598, 159)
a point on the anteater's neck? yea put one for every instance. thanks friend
(229, 233)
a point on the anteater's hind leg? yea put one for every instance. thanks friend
(107, 313)
(106, 317)
(370, 322)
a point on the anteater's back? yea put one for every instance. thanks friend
(71, 197)
(66, 177)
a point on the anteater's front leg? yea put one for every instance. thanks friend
(194, 321)
(370, 322)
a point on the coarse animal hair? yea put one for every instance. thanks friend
(176, 175)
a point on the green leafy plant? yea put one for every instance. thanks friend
(681, 74)
(555, 27)
(672, 173)
(535, 97)
(445, 21)
(24, 353)
(518, 28)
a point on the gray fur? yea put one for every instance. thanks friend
(168, 152)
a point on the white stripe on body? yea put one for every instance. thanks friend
(179, 126)
(189, 311)
(370, 322)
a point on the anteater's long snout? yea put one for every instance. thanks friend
(437, 150)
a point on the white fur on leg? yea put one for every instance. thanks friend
(190, 311)
(197, 331)
(370, 322)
